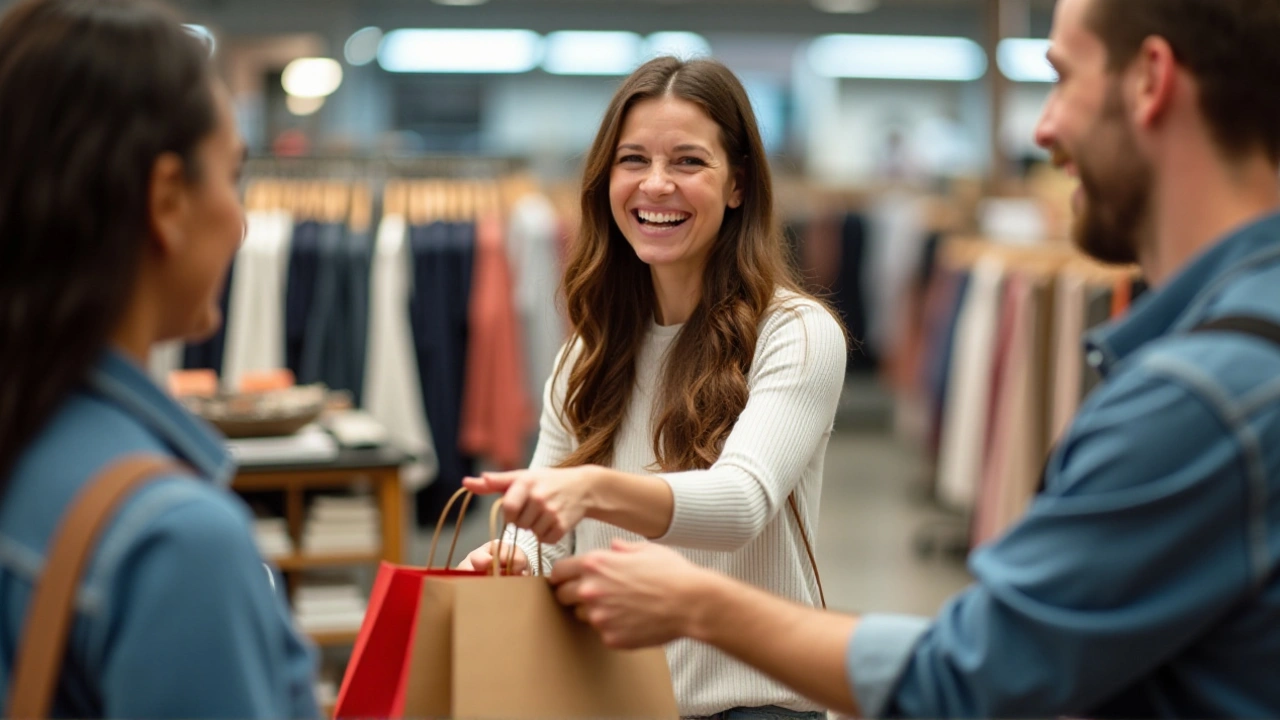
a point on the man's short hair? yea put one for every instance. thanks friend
(1232, 47)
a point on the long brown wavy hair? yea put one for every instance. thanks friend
(610, 297)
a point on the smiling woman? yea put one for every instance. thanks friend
(694, 401)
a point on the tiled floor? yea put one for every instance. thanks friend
(870, 521)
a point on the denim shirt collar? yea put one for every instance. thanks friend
(1177, 307)
(121, 381)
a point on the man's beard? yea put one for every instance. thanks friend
(1115, 181)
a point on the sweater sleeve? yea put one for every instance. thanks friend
(794, 387)
(555, 443)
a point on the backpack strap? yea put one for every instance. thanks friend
(43, 643)
(1245, 325)
(1258, 327)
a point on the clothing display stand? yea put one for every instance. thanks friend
(378, 469)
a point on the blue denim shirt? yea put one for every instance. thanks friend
(175, 615)
(1144, 581)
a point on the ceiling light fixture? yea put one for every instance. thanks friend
(684, 45)
(897, 57)
(574, 52)
(460, 51)
(311, 77)
(362, 47)
(846, 6)
(1023, 60)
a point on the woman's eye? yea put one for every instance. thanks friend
(630, 159)
(693, 161)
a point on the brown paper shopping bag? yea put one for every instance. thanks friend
(503, 647)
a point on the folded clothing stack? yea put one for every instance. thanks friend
(329, 608)
(272, 537)
(342, 525)
(311, 444)
(326, 692)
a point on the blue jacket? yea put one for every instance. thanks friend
(175, 616)
(1145, 580)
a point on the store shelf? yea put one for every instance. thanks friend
(291, 563)
(329, 639)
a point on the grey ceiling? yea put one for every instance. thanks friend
(932, 17)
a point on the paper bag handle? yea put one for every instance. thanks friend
(495, 536)
(457, 528)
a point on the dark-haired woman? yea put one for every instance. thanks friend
(693, 404)
(119, 214)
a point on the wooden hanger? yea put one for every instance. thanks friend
(361, 202)
(490, 200)
(339, 202)
(471, 194)
(435, 203)
(453, 201)
(253, 196)
(393, 198)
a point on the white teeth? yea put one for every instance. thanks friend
(660, 217)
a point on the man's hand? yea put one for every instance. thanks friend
(639, 595)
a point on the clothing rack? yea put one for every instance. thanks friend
(999, 369)
(384, 167)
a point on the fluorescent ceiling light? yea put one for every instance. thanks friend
(684, 45)
(1023, 60)
(460, 51)
(897, 57)
(574, 52)
(303, 106)
(465, 3)
(311, 77)
(846, 6)
(362, 46)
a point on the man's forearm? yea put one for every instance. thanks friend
(803, 648)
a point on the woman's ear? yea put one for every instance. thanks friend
(167, 203)
(736, 182)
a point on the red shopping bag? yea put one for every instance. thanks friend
(374, 683)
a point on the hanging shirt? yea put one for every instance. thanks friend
(255, 321)
(392, 393)
(497, 417)
(964, 425)
(532, 248)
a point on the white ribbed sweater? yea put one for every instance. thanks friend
(733, 517)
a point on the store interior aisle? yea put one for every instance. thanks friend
(870, 521)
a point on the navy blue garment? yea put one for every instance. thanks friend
(300, 287)
(316, 363)
(208, 354)
(346, 341)
(443, 255)
(849, 294)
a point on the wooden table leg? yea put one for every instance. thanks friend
(391, 499)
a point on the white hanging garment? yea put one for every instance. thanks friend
(392, 389)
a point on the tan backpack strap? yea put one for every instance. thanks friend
(808, 547)
(38, 662)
